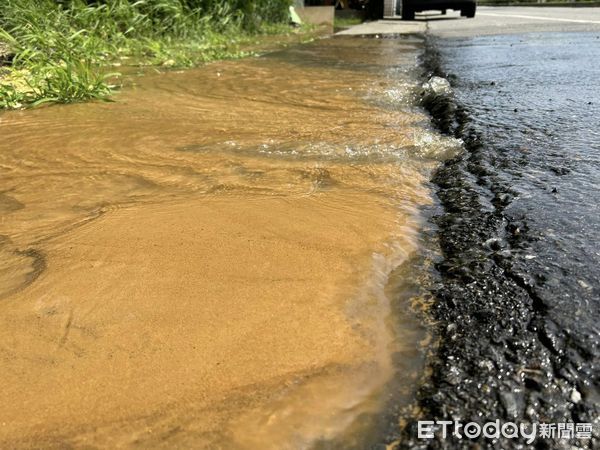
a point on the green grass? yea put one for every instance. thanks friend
(62, 48)
(347, 22)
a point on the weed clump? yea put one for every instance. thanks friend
(60, 49)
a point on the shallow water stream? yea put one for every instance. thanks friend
(206, 262)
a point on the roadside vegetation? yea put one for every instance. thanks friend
(347, 22)
(62, 50)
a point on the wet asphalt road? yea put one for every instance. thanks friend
(518, 302)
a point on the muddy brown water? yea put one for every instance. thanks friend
(206, 262)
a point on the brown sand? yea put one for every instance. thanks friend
(179, 307)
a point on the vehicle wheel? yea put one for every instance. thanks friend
(469, 11)
(408, 13)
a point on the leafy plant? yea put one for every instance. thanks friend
(60, 47)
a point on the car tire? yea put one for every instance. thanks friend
(469, 11)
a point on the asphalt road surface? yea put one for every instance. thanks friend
(519, 299)
(503, 20)
(488, 21)
(520, 286)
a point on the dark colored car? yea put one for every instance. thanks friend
(410, 7)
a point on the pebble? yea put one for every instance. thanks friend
(509, 401)
(583, 284)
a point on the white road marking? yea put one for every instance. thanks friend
(554, 19)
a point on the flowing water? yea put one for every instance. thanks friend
(213, 259)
